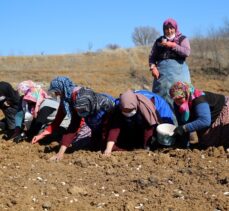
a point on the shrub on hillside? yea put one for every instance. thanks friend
(112, 46)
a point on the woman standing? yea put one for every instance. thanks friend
(167, 60)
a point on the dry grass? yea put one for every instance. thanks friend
(110, 71)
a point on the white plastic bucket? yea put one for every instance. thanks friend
(164, 134)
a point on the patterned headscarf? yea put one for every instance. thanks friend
(131, 100)
(33, 93)
(90, 102)
(65, 86)
(187, 91)
(24, 86)
(85, 102)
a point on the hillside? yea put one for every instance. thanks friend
(111, 71)
(164, 179)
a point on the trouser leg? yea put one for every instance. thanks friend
(10, 117)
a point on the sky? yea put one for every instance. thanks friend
(35, 27)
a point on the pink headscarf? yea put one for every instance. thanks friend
(24, 86)
(131, 100)
(36, 95)
(33, 93)
(173, 23)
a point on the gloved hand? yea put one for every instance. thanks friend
(11, 133)
(169, 44)
(19, 138)
(179, 130)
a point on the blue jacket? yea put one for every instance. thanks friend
(202, 118)
(161, 105)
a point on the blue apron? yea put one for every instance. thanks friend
(171, 71)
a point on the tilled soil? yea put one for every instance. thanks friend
(165, 179)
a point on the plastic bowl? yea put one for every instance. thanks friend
(164, 134)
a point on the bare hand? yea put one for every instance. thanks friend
(56, 157)
(35, 139)
(107, 152)
(109, 148)
(169, 44)
(155, 72)
(40, 136)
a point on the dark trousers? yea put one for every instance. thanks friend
(8, 123)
